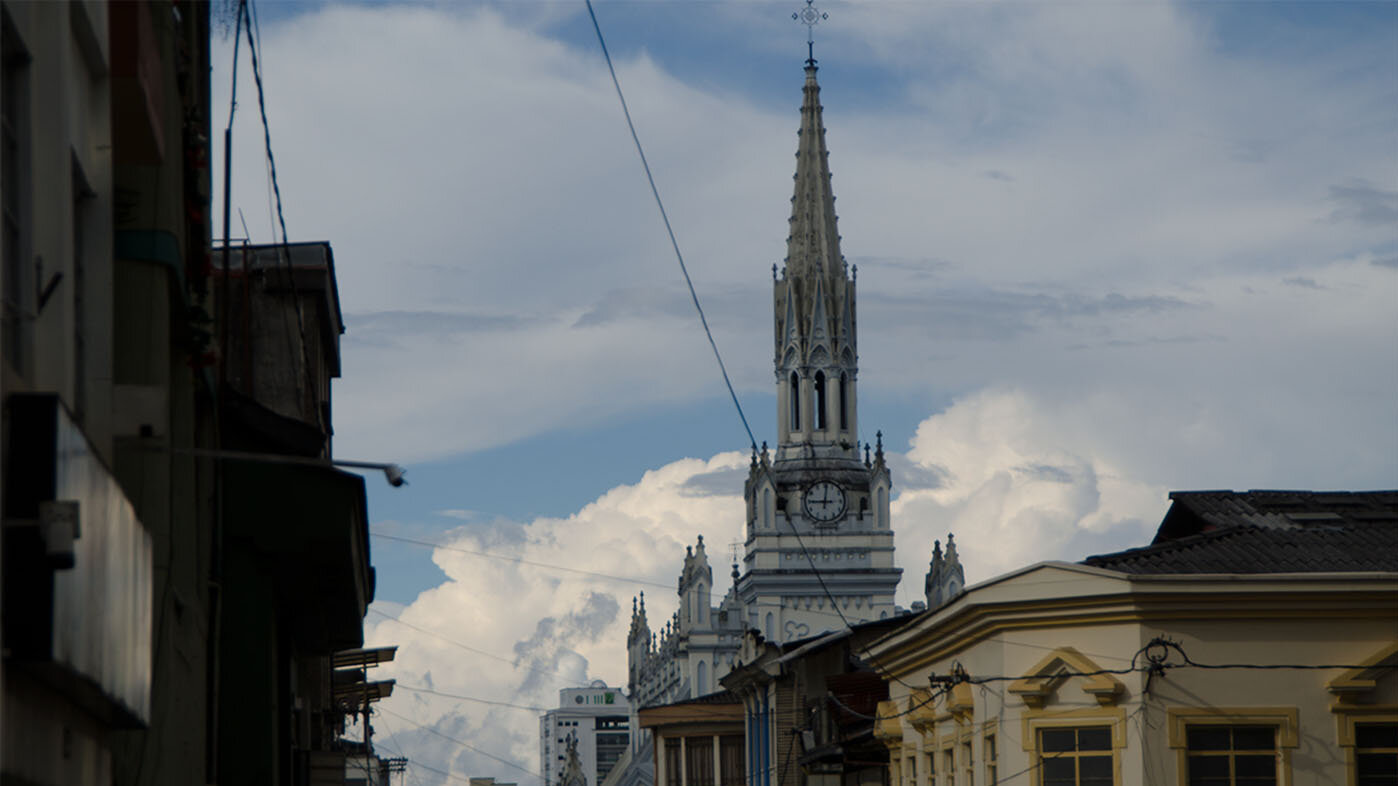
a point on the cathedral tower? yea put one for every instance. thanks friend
(817, 515)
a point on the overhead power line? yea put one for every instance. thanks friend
(668, 229)
(523, 561)
(491, 702)
(468, 746)
(466, 647)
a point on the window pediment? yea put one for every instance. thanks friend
(1351, 686)
(1035, 687)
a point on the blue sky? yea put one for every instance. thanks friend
(1105, 250)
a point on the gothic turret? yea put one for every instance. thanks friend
(945, 577)
(638, 643)
(813, 304)
(696, 580)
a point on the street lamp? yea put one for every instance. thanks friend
(393, 473)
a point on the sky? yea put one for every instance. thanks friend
(1105, 250)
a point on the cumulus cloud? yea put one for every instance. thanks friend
(1008, 473)
(551, 611)
(1017, 485)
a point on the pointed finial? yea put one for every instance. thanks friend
(878, 445)
(866, 454)
(810, 16)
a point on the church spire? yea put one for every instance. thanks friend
(813, 248)
(814, 309)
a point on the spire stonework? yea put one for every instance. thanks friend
(815, 499)
(813, 304)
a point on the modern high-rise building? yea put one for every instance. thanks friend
(598, 717)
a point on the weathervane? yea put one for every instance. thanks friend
(810, 16)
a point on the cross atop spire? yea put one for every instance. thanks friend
(810, 16)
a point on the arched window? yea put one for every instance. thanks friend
(769, 626)
(844, 401)
(795, 402)
(820, 400)
(701, 679)
(766, 508)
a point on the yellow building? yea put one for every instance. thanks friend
(1158, 666)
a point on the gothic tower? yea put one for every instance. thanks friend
(817, 516)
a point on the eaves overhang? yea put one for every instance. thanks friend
(1063, 595)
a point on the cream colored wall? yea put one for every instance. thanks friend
(1342, 622)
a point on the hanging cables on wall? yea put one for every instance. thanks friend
(1156, 658)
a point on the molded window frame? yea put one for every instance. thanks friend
(1286, 721)
(1346, 720)
(1035, 720)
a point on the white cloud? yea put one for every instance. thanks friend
(1019, 483)
(1010, 475)
(477, 172)
(529, 630)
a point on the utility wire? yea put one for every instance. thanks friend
(397, 749)
(467, 647)
(668, 229)
(836, 606)
(415, 689)
(465, 745)
(522, 561)
(283, 252)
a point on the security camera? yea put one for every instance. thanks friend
(394, 473)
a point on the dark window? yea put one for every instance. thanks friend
(1231, 755)
(1376, 754)
(820, 399)
(1076, 756)
(795, 402)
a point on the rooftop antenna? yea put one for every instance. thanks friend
(810, 16)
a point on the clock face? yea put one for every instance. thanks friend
(824, 501)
